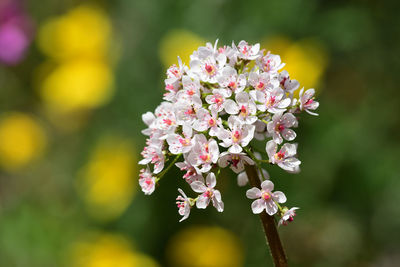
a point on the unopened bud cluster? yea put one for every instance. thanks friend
(211, 112)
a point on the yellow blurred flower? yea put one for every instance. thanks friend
(83, 32)
(22, 139)
(79, 42)
(306, 60)
(77, 84)
(108, 250)
(205, 247)
(107, 182)
(180, 43)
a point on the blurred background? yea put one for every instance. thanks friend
(75, 77)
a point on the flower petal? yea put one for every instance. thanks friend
(258, 206)
(198, 187)
(253, 193)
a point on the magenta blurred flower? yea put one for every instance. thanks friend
(16, 30)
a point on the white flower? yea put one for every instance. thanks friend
(183, 204)
(307, 101)
(217, 99)
(146, 181)
(239, 135)
(181, 144)
(270, 63)
(153, 154)
(208, 193)
(230, 79)
(206, 66)
(249, 52)
(265, 198)
(284, 158)
(286, 83)
(287, 215)
(191, 174)
(272, 101)
(244, 106)
(205, 121)
(279, 127)
(262, 81)
(204, 152)
(235, 161)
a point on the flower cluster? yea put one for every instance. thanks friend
(212, 110)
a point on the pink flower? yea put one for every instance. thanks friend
(272, 101)
(146, 181)
(204, 152)
(287, 215)
(249, 52)
(279, 127)
(235, 161)
(183, 204)
(265, 198)
(191, 174)
(231, 80)
(237, 137)
(208, 193)
(285, 157)
(307, 101)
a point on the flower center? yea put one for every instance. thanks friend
(211, 122)
(279, 127)
(236, 136)
(208, 193)
(209, 69)
(280, 155)
(271, 101)
(243, 111)
(232, 85)
(235, 160)
(184, 141)
(218, 99)
(266, 195)
(168, 122)
(205, 157)
(309, 101)
(260, 86)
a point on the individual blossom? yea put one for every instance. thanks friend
(230, 79)
(181, 143)
(248, 52)
(285, 157)
(307, 101)
(270, 63)
(206, 65)
(192, 174)
(153, 154)
(235, 161)
(237, 137)
(265, 199)
(207, 120)
(217, 99)
(287, 215)
(244, 108)
(204, 153)
(280, 126)
(208, 193)
(183, 204)
(287, 84)
(272, 101)
(262, 81)
(147, 181)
